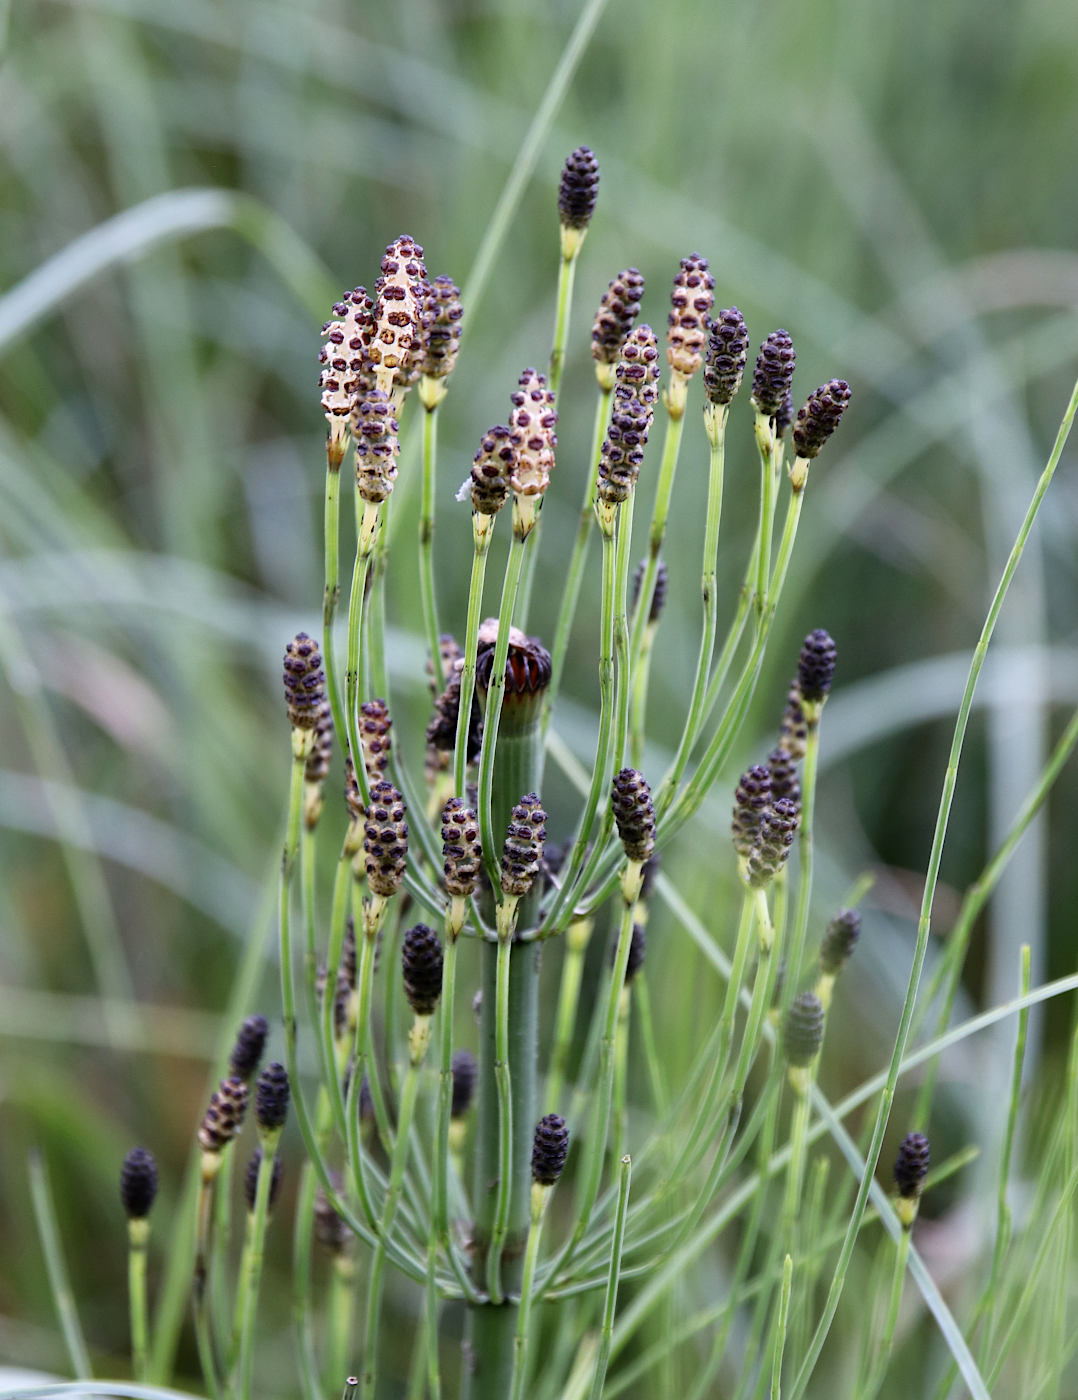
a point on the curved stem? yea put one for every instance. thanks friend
(924, 923)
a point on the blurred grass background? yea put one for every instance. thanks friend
(890, 182)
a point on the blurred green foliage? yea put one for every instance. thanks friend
(891, 182)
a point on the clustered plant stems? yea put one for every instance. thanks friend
(403, 1213)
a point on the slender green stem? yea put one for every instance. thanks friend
(503, 1081)
(650, 1047)
(331, 1071)
(56, 1266)
(426, 544)
(595, 1143)
(251, 1273)
(974, 900)
(493, 712)
(657, 531)
(924, 923)
(1003, 1210)
(779, 1340)
(331, 597)
(339, 1310)
(887, 1340)
(795, 1171)
(434, 1373)
(385, 1225)
(621, 1076)
(710, 605)
(301, 1283)
(600, 779)
(766, 446)
(361, 1060)
(805, 851)
(566, 275)
(531, 1254)
(482, 529)
(138, 1234)
(572, 971)
(440, 1213)
(574, 576)
(606, 1336)
(623, 674)
(368, 519)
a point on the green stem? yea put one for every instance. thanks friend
(694, 718)
(977, 896)
(385, 1225)
(342, 1297)
(251, 1271)
(138, 1237)
(657, 532)
(887, 1340)
(56, 1267)
(503, 1081)
(572, 971)
(426, 544)
(805, 850)
(606, 1337)
(621, 1075)
(766, 446)
(595, 1142)
(493, 712)
(566, 276)
(600, 779)
(331, 597)
(924, 923)
(531, 1254)
(301, 1283)
(574, 576)
(482, 529)
(779, 1343)
(795, 1171)
(367, 521)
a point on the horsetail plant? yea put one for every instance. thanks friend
(432, 1164)
(492, 888)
